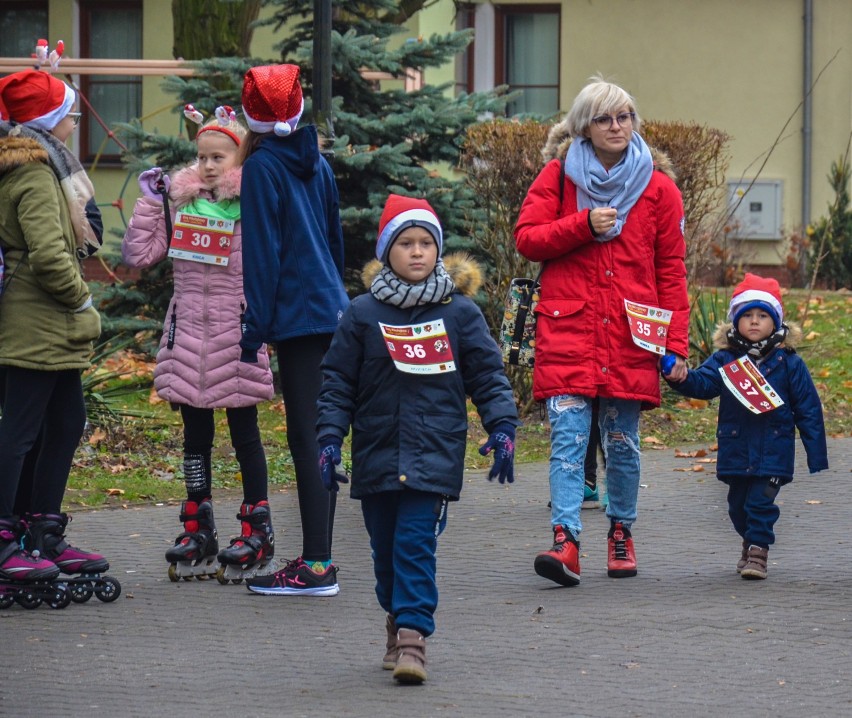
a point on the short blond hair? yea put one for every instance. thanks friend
(598, 97)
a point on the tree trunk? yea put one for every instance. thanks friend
(211, 28)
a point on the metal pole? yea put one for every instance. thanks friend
(322, 71)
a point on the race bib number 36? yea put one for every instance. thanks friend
(202, 239)
(648, 326)
(419, 348)
(748, 385)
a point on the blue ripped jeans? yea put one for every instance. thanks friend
(570, 421)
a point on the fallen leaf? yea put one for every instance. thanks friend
(707, 461)
(98, 435)
(115, 492)
(810, 336)
(690, 454)
(813, 502)
(824, 373)
(631, 664)
(652, 440)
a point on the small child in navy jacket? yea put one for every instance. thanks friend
(400, 366)
(757, 450)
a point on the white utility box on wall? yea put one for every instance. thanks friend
(758, 215)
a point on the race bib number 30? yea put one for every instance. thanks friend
(202, 239)
(649, 326)
(419, 348)
(748, 385)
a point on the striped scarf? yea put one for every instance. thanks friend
(388, 288)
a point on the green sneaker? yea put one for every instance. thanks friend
(591, 500)
(605, 501)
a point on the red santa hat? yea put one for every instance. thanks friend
(272, 99)
(35, 99)
(399, 214)
(757, 293)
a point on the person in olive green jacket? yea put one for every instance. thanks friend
(47, 321)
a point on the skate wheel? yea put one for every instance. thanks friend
(6, 600)
(81, 592)
(173, 577)
(236, 580)
(61, 597)
(28, 600)
(108, 590)
(220, 576)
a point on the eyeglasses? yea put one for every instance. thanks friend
(75, 117)
(624, 119)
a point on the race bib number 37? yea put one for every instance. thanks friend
(748, 385)
(202, 239)
(419, 348)
(648, 326)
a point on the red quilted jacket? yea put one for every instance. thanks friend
(583, 342)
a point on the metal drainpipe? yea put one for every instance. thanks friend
(807, 107)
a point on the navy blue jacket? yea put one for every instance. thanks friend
(763, 445)
(410, 430)
(292, 241)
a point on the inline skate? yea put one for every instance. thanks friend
(194, 552)
(27, 578)
(84, 570)
(252, 549)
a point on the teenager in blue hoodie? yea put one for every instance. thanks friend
(293, 283)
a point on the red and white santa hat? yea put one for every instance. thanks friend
(399, 214)
(272, 99)
(756, 292)
(35, 99)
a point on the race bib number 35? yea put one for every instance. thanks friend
(202, 239)
(419, 348)
(748, 385)
(648, 326)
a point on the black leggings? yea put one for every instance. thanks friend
(46, 403)
(299, 371)
(198, 432)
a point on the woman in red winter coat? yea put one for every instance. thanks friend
(617, 235)
(198, 362)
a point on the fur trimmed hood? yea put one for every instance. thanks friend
(188, 185)
(462, 268)
(558, 141)
(18, 151)
(720, 336)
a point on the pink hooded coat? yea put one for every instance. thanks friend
(203, 368)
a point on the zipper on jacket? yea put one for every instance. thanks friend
(170, 343)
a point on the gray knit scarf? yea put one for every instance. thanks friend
(388, 288)
(75, 183)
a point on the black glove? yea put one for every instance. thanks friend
(502, 443)
(329, 458)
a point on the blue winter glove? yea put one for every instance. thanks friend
(329, 458)
(153, 183)
(502, 443)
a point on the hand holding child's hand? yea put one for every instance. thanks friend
(329, 458)
(502, 443)
(153, 182)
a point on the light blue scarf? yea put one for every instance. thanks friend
(619, 188)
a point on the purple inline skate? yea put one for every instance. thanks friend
(194, 552)
(84, 570)
(252, 549)
(26, 578)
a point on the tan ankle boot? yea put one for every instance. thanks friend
(755, 563)
(411, 657)
(389, 661)
(743, 558)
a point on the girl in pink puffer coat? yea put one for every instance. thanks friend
(198, 362)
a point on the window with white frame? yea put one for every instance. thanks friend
(527, 54)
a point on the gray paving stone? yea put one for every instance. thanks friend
(686, 637)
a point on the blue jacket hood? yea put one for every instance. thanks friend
(298, 152)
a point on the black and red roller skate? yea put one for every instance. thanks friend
(84, 570)
(252, 549)
(27, 578)
(194, 552)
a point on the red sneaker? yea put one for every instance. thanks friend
(621, 561)
(562, 562)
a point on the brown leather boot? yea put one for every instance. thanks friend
(389, 661)
(755, 567)
(411, 657)
(743, 558)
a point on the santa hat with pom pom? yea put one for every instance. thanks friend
(756, 292)
(399, 214)
(272, 99)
